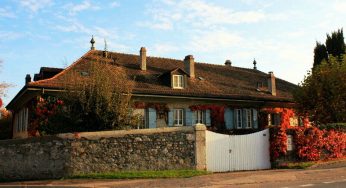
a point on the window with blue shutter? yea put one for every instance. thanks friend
(188, 117)
(152, 117)
(229, 118)
(238, 118)
(207, 118)
(255, 118)
(170, 118)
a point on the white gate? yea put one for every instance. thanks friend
(237, 152)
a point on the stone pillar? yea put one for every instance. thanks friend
(200, 147)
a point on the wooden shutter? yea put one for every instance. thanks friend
(152, 118)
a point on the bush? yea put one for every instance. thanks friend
(334, 126)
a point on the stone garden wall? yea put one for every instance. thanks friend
(70, 154)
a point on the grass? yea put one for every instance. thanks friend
(295, 165)
(142, 174)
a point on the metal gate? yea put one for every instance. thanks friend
(237, 152)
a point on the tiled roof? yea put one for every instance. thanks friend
(47, 72)
(211, 80)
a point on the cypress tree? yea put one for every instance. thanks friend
(320, 54)
(335, 43)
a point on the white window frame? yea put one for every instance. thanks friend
(178, 117)
(178, 81)
(248, 118)
(239, 118)
(200, 116)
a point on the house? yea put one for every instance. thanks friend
(171, 92)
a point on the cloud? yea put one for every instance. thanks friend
(212, 41)
(166, 13)
(35, 5)
(339, 6)
(164, 48)
(76, 8)
(4, 12)
(74, 27)
(114, 4)
(6, 35)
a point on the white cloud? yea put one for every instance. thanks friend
(4, 12)
(212, 41)
(114, 4)
(166, 13)
(76, 8)
(339, 6)
(164, 49)
(6, 35)
(73, 26)
(35, 5)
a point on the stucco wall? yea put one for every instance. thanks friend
(69, 154)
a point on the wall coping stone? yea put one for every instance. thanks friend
(121, 133)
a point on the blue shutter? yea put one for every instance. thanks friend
(152, 118)
(244, 118)
(188, 117)
(170, 118)
(193, 117)
(207, 118)
(254, 118)
(229, 118)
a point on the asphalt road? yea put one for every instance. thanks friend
(331, 177)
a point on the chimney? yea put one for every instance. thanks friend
(189, 62)
(27, 79)
(271, 83)
(228, 62)
(143, 58)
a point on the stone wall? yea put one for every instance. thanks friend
(69, 154)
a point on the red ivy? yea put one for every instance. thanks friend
(278, 142)
(42, 108)
(216, 113)
(156, 106)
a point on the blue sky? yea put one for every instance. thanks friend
(280, 34)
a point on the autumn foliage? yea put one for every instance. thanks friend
(310, 143)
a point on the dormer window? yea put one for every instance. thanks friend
(178, 81)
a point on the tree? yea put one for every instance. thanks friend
(3, 86)
(320, 54)
(321, 95)
(335, 43)
(334, 46)
(96, 98)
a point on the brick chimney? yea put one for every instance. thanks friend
(143, 58)
(189, 62)
(271, 83)
(27, 79)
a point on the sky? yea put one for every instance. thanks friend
(279, 34)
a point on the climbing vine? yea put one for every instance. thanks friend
(156, 106)
(216, 114)
(42, 108)
(310, 143)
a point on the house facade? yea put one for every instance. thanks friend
(170, 92)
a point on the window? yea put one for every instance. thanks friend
(274, 119)
(290, 143)
(178, 81)
(178, 117)
(248, 118)
(238, 118)
(200, 116)
(294, 121)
